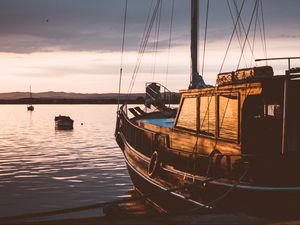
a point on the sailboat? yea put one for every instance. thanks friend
(30, 106)
(235, 145)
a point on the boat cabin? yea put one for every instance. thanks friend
(240, 117)
(229, 114)
(248, 114)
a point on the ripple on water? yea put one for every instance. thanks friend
(44, 169)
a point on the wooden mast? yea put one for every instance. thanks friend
(30, 92)
(196, 80)
(194, 41)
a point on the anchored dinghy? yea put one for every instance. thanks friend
(63, 122)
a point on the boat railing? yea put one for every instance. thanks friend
(137, 137)
(147, 141)
(159, 96)
(289, 71)
(141, 138)
(124, 109)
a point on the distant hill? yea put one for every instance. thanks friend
(66, 95)
(52, 97)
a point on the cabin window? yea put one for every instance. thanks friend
(273, 110)
(228, 116)
(208, 115)
(188, 114)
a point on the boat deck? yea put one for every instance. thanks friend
(162, 122)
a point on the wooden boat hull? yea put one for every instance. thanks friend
(219, 193)
(64, 125)
(159, 196)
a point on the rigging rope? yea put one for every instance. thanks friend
(143, 45)
(170, 40)
(246, 38)
(233, 21)
(156, 38)
(239, 30)
(264, 31)
(205, 37)
(122, 52)
(254, 35)
(234, 29)
(251, 46)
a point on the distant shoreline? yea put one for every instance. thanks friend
(37, 101)
(68, 101)
(51, 97)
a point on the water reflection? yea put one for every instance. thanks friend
(228, 116)
(188, 114)
(43, 169)
(139, 207)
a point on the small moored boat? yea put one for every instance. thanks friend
(30, 108)
(63, 123)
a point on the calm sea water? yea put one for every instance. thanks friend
(44, 169)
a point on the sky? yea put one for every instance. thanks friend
(75, 45)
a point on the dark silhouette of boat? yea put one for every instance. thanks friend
(63, 122)
(236, 145)
(30, 106)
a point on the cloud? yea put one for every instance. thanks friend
(34, 25)
(79, 25)
(96, 25)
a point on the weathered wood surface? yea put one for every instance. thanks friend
(255, 89)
